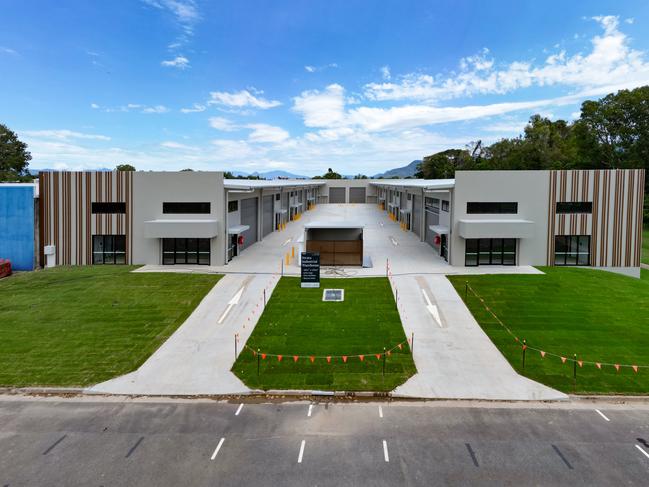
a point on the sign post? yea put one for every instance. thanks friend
(310, 269)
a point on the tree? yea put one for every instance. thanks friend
(330, 174)
(187, 170)
(443, 165)
(125, 167)
(14, 157)
(361, 176)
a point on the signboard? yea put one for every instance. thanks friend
(310, 269)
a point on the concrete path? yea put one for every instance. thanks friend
(454, 357)
(198, 357)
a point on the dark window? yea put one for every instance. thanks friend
(233, 206)
(108, 207)
(491, 207)
(109, 249)
(490, 251)
(186, 251)
(572, 250)
(277, 197)
(444, 205)
(185, 207)
(431, 204)
(574, 207)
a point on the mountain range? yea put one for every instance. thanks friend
(401, 172)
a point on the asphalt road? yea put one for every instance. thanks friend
(92, 443)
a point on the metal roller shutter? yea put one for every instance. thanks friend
(416, 215)
(431, 219)
(249, 217)
(357, 195)
(267, 215)
(336, 195)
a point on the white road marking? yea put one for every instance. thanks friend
(233, 302)
(385, 451)
(642, 450)
(602, 414)
(218, 447)
(394, 242)
(380, 412)
(299, 457)
(310, 409)
(287, 241)
(239, 409)
(432, 308)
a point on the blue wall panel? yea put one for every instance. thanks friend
(17, 226)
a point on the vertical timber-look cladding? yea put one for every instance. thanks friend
(615, 224)
(68, 223)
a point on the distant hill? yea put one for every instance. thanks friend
(401, 172)
(271, 175)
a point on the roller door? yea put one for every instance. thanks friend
(357, 195)
(267, 215)
(416, 215)
(431, 219)
(249, 217)
(336, 195)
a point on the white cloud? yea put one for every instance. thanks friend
(196, 107)
(155, 109)
(184, 12)
(221, 123)
(309, 69)
(262, 132)
(242, 99)
(177, 145)
(63, 134)
(313, 69)
(179, 62)
(94, 106)
(321, 108)
(610, 61)
(132, 107)
(7, 50)
(385, 72)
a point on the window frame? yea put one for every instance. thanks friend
(186, 207)
(574, 207)
(492, 207)
(485, 247)
(175, 254)
(233, 206)
(572, 242)
(445, 205)
(116, 251)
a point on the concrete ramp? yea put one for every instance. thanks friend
(455, 358)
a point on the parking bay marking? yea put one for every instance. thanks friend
(137, 443)
(380, 412)
(299, 457)
(472, 453)
(386, 457)
(239, 409)
(310, 409)
(218, 447)
(642, 451)
(556, 449)
(602, 414)
(54, 445)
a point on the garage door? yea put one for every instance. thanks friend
(249, 217)
(357, 195)
(267, 215)
(431, 219)
(416, 215)
(336, 195)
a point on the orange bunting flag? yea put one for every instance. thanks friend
(524, 347)
(345, 358)
(254, 354)
(312, 358)
(263, 356)
(617, 367)
(378, 356)
(580, 362)
(328, 360)
(563, 360)
(635, 368)
(279, 358)
(389, 353)
(598, 365)
(362, 357)
(400, 346)
(542, 353)
(295, 357)
(516, 338)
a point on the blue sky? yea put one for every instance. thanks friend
(301, 86)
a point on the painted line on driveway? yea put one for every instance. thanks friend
(380, 412)
(239, 409)
(642, 450)
(218, 447)
(556, 449)
(472, 453)
(233, 302)
(54, 445)
(602, 414)
(137, 443)
(299, 457)
(386, 457)
(310, 409)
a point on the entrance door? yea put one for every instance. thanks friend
(443, 248)
(249, 217)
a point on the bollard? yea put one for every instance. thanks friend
(574, 372)
(524, 347)
(258, 361)
(384, 354)
(287, 254)
(293, 252)
(282, 262)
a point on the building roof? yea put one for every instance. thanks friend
(333, 224)
(270, 183)
(425, 184)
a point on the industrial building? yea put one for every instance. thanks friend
(568, 217)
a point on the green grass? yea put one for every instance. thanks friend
(600, 316)
(77, 326)
(645, 245)
(297, 322)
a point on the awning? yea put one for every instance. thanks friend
(439, 229)
(282, 211)
(238, 229)
(501, 228)
(180, 228)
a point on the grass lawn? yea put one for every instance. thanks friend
(77, 326)
(297, 322)
(645, 245)
(600, 316)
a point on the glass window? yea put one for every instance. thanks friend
(484, 247)
(109, 249)
(186, 207)
(471, 252)
(233, 206)
(186, 251)
(572, 250)
(444, 205)
(509, 251)
(97, 249)
(497, 251)
(108, 207)
(492, 207)
(574, 207)
(490, 251)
